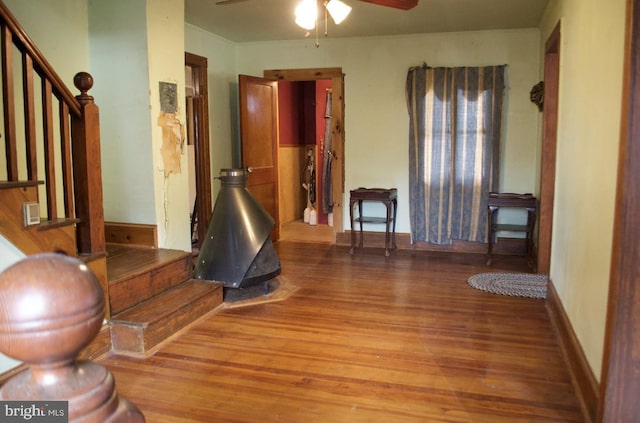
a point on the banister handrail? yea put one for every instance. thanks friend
(38, 58)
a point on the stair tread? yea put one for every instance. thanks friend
(127, 261)
(167, 302)
(19, 184)
(56, 223)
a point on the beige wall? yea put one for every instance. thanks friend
(591, 59)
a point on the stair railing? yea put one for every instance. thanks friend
(60, 143)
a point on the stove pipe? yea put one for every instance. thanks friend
(237, 249)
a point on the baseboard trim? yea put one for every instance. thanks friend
(131, 234)
(584, 381)
(503, 246)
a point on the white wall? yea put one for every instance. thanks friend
(376, 120)
(591, 59)
(9, 255)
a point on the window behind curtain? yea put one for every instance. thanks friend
(455, 117)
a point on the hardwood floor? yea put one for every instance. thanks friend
(364, 338)
(303, 232)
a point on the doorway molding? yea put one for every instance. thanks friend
(548, 154)
(338, 164)
(198, 106)
(619, 381)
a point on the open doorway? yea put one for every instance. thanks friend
(197, 99)
(306, 209)
(311, 188)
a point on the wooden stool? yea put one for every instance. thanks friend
(497, 200)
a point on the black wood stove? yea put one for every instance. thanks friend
(238, 249)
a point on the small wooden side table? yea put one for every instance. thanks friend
(497, 200)
(389, 197)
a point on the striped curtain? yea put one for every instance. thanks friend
(455, 117)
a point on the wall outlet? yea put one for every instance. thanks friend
(31, 213)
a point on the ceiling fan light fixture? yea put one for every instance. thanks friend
(306, 14)
(338, 10)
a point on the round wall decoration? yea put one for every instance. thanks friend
(537, 95)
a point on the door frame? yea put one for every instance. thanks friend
(548, 154)
(203, 209)
(619, 381)
(338, 164)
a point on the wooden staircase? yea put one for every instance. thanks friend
(153, 296)
(55, 166)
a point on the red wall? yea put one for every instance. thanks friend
(290, 95)
(301, 107)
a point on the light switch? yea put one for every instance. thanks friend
(31, 213)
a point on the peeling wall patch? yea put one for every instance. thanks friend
(172, 142)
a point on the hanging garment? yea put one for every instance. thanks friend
(327, 188)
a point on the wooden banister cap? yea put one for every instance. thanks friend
(45, 298)
(83, 81)
(52, 306)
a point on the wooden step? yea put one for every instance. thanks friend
(142, 327)
(139, 273)
(99, 346)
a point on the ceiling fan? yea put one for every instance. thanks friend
(397, 4)
(306, 12)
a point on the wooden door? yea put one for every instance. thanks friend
(259, 141)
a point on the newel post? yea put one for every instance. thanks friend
(51, 307)
(87, 170)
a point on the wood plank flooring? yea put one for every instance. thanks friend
(364, 338)
(303, 232)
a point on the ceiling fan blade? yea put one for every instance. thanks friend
(398, 4)
(224, 2)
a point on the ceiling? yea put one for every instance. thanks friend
(269, 20)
